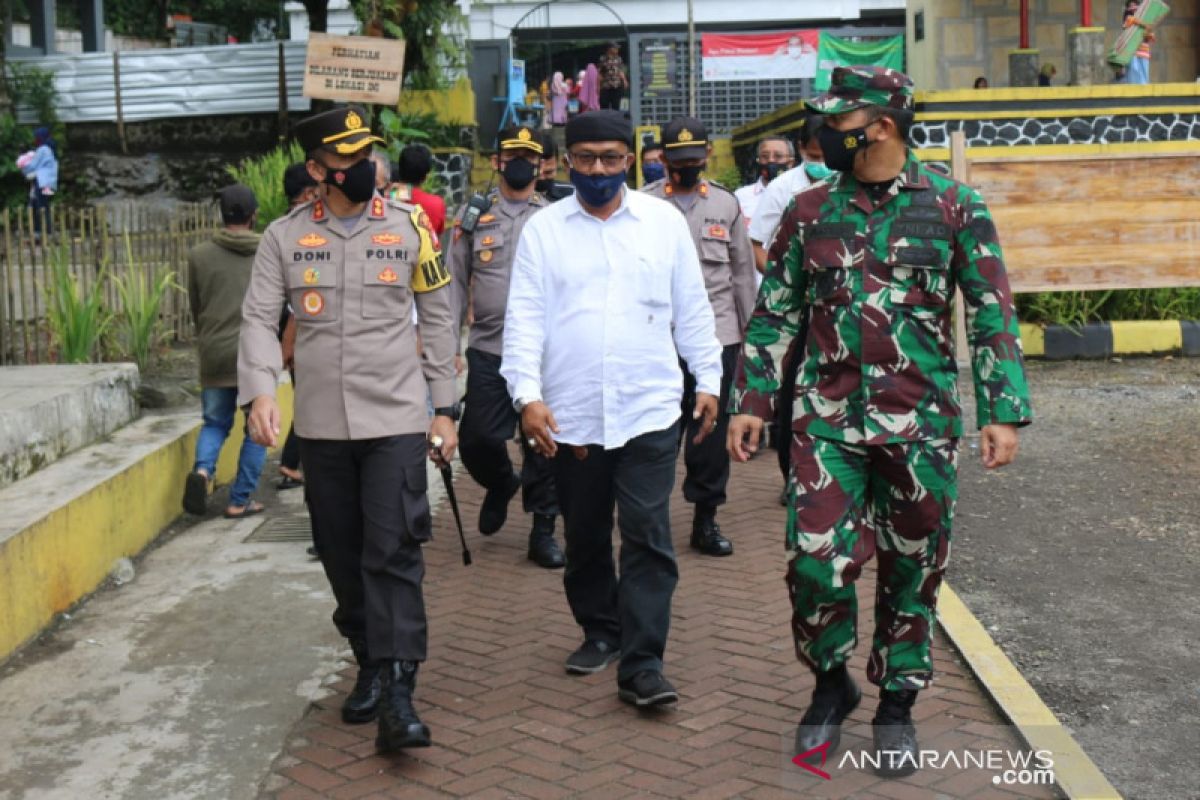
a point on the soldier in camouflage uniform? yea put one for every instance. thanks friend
(871, 258)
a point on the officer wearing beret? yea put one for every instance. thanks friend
(718, 230)
(352, 265)
(480, 260)
(872, 258)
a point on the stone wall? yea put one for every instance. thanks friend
(185, 158)
(1103, 129)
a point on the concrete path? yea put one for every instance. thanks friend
(181, 684)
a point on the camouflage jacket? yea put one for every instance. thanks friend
(876, 282)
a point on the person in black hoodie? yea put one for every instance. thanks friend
(218, 274)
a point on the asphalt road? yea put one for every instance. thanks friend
(1083, 561)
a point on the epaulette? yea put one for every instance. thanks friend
(400, 205)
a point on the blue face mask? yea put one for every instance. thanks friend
(653, 171)
(816, 170)
(596, 190)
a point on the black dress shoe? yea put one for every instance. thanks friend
(543, 550)
(494, 510)
(822, 722)
(894, 734)
(362, 704)
(195, 494)
(399, 725)
(647, 688)
(706, 535)
(591, 657)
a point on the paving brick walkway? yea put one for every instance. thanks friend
(507, 720)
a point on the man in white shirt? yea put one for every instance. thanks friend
(780, 192)
(606, 289)
(776, 154)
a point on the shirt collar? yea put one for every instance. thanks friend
(577, 208)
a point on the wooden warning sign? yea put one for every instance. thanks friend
(360, 69)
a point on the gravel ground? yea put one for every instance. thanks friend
(1082, 560)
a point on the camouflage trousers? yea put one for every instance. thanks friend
(847, 504)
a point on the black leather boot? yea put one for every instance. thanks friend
(543, 550)
(706, 533)
(834, 698)
(399, 725)
(363, 701)
(494, 509)
(894, 734)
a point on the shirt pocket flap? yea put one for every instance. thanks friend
(487, 240)
(319, 276)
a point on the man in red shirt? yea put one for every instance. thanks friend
(407, 176)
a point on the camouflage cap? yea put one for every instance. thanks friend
(857, 87)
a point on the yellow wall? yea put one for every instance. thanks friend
(227, 463)
(453, 106)
(968, 38)
(50, 566)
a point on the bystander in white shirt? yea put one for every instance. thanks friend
(748, 198)
(774, 202)
(599, 312)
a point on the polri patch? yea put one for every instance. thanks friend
(313, 303)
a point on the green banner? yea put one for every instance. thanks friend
(833, 51)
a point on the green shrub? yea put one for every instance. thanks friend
(14, 140)
(1074, 309)
(77, 323)
(264, 176)
(139, 322)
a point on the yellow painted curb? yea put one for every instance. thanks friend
(1146, 337)
(49, 566)
(1033, 340)
(1076, 774)
(227, 462)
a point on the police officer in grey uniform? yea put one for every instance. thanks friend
(480, 261)
(352, 265)
(727, 260)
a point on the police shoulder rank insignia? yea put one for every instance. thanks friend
(376, 207)
(311, 275)
(312, 240)
(318, 211)
(387, 238)
(388, 276)
(485, 256)
(313, 303)
(704, 189)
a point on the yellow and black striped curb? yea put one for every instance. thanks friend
(1107, 339)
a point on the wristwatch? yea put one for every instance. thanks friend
(452, 412)
(520, 403)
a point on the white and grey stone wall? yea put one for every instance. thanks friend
(1097, 129)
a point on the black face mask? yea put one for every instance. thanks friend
(543, 185)
(357, 183)
(687, 177)
(840, 147)
(518, 173)
(769, 172)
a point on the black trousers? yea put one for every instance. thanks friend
(708, 462)
(611, 98)
(488, 423)
(370, 515)
(634, 610)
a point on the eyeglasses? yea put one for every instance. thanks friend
(588, 160)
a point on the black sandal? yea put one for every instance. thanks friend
(288, 482)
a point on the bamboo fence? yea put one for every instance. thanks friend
(160, 236)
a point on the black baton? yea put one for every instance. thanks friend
(448, 480)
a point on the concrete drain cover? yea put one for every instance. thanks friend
(292, 528)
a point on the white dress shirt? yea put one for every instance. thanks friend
(748, 198)
(599, 312)
(774, 202)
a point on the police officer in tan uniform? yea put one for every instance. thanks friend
(727, 260)
(480, 260)
(352, 264)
